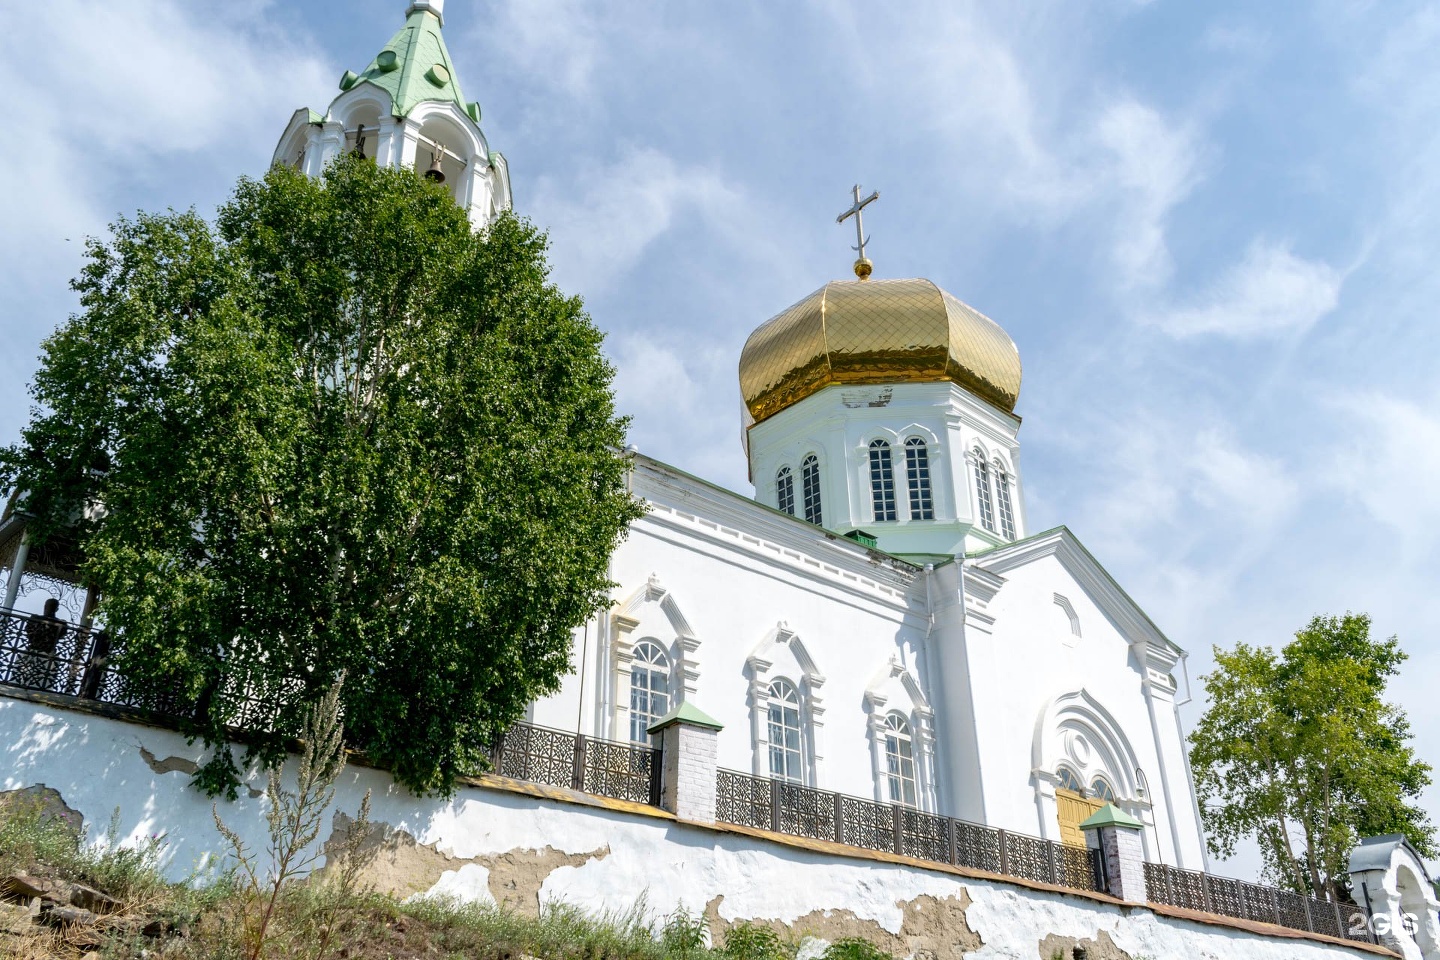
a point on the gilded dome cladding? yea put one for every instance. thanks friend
(877, 331)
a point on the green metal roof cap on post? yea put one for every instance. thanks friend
(414, 67)
(1111, 816)
(687, 712)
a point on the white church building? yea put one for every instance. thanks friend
(879, 619)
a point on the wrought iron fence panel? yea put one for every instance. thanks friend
(1323, 918)
(1259, 902)
(1225, 897)
(742, 799)
(977, 847)
(1029, 857)
(866, 824)
(1354, 922)
(538, 755)
(44, 653)
(1157, 883)
(621, 770)
(805, 812)
(1291, 910)
(924, 836)
(1075, 867)
(1188, 888)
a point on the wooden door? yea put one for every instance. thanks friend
(1072, 810)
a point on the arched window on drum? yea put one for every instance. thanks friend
(917, 477)
(810, 489)
(882, 481)
(785, 490)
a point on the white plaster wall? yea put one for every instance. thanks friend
(96, 765)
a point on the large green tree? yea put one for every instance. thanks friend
(346, 434)
(1301, 752)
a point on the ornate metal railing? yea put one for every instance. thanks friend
(1251, 901)
(820, 815)
(625, 771)
(55, 656)
(45, 653)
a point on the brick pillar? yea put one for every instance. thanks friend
(688, 752)
(1116, 835)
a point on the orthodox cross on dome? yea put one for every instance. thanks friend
(863, 266)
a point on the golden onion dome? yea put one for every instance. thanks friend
(877, 331)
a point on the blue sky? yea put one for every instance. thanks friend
(1212, 229)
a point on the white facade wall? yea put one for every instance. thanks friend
(601, 859)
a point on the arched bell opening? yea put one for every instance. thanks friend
(444, 154)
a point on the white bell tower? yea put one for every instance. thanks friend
(406, 110)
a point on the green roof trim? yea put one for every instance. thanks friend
(415, 67)
(1111, 816)
(687, 712)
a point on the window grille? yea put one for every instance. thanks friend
(917, 471)
(785, 733)
(1069, 781)
(1007, 513)
(982, 493)
(649, 689)
(785, 491)
(810, 489)
(882, 481)
(900, 761)
(1100, 789)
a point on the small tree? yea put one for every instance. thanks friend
(1301, 752)
(345, 434)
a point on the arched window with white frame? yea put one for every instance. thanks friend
(882, 481)
(785, 490)
(649, 689)
(1100, 789)
(900, 761)
(810, 489)
(786, 735)
(1067, 779)
(917, 476)
(1002, 497)
(983, 496)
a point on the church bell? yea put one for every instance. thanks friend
(435, 174)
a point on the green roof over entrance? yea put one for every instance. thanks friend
(414, 67)
(687, 712)
(1111, 816)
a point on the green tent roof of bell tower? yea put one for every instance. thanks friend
(414, 67)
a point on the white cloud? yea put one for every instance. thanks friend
(119, 84)
(1388, 460)
(602, 223)
(1268, 293)
(554, 40)
(1154, 164)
